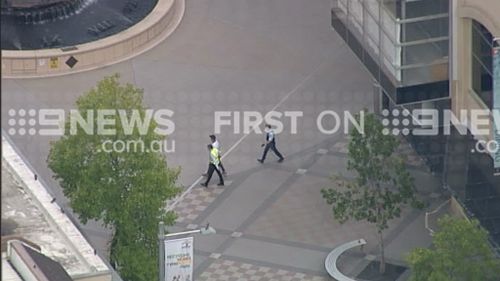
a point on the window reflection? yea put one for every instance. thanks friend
(482, 63)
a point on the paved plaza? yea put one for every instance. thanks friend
(235, 55)
(273, 217)
(231, 270)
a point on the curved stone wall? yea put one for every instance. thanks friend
(146, 34)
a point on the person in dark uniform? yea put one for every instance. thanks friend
(270, 144)
(213, 166)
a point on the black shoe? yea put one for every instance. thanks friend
(281, 160)
(220, 184)
(203, 184)
(261, 161)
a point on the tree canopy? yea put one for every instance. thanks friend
(383, 185)
(460, 252)
(126, 190)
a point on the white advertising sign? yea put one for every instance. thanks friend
(179, 259)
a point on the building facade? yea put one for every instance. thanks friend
(435, 54)
(472, 176)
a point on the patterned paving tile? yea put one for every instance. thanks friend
(302, 215)
(195, 203)
(226, 270)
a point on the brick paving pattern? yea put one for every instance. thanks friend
(195, 203)
(302, 209)
(226, 270)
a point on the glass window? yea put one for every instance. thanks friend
(406, 9)
(482, 63)
(422, 8)
(425, 29)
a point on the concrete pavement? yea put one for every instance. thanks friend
(273, 217)
(225, 55)
(235, 55)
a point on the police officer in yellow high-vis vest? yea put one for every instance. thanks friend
(213, 166)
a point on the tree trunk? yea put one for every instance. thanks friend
(112, 253)
(382, 256)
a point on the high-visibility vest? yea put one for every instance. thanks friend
(214, 156)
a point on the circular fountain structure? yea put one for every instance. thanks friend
(51, 37)
(41, 24)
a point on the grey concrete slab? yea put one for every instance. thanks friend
(425, 182)
(209, 243)
(414, 235)
(246, 198)
(301, 215)
(278, 254)
(331, 165)
(225, 55)
(291, 162)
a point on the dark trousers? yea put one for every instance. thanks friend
(272, 146)
(220, 166)
(211, 169)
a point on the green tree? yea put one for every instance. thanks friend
(382, 187)
(126, 190)
(460, 253)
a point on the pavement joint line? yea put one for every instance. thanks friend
(261, 208)
(295, 89)
(270, 200)
(198, 270)
(266, 204)
(283, 242)
(296, 244)
(224, 195)
(312, 172)
(275, 265)
(321, 174)
(242, 176)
